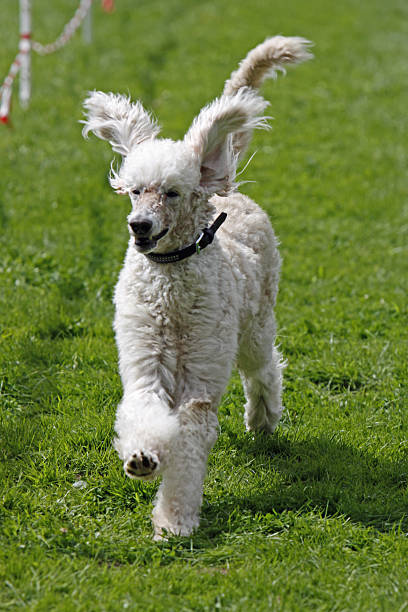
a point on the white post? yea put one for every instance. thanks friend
(24, 50)
(87, 27)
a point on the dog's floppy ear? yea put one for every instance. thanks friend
(212, 132)
(115, 118)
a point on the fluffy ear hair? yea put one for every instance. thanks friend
(210, 136)
(115, 118)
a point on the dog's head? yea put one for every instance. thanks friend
(170, 183)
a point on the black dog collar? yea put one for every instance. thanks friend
(206, 237)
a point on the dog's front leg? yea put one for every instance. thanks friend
(146, 432)
(179, 499)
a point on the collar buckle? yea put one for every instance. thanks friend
(197, 243)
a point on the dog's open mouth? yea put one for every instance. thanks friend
(145, 244)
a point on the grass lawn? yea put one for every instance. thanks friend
(316, 516)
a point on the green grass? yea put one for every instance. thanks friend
(316, 516)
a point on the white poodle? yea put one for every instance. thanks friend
(191, 302)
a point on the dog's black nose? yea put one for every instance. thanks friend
(141, 228)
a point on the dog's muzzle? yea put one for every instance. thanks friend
(141, 231)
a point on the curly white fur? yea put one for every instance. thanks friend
(180, 327)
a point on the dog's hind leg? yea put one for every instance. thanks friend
(263, 391)
(261, 366)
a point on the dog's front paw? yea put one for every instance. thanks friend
(169, 528)
(142, 464)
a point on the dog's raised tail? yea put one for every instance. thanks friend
(261, 63)
(265, 60)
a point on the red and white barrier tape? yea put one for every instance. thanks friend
(67, 33)
(6, 88)
(20, 64)
(26, 44)
(108, 6)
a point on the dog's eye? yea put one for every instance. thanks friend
(136, 191)
(172, 193)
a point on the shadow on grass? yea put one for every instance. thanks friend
(307, 478)
(318, 474)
